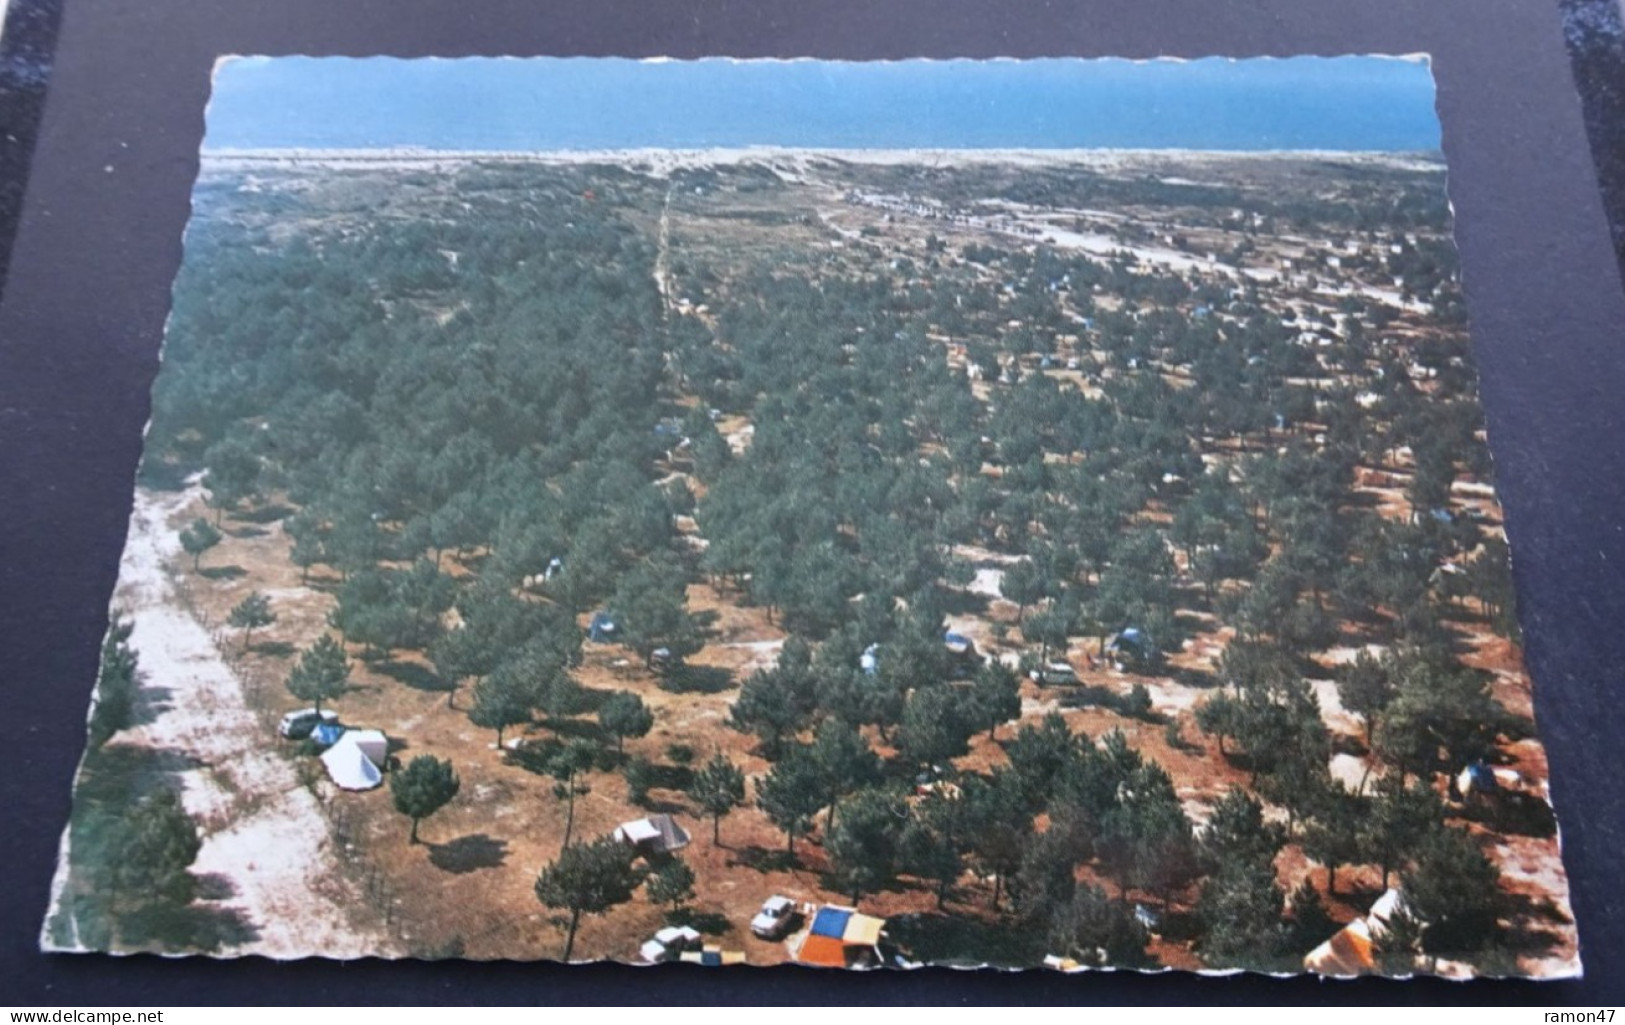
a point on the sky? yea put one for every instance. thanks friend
(1322, 103)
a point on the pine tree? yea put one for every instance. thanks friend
(588, 879)
(717, 788)
(672, 883)
(117, 683)
(566, 766)
(1332, 835)
(935, 727)
(1366, 689)
(1236, 833)
(652, 610)
(930, 844)
(1311, 922)
(1022, 583)
(625, 715)
(863, 846)
(1099, 932)
(995, 695)
(1454, 891)
(425, 786)
(844, 760)
(791, 794)
(1397, 822)
(322, 674)
(502, 699)
(158, 845)
(199, 538)
(1241, 911)
(250, 614)
(998, 825)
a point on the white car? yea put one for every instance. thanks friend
(1055, 673)
(299, 725)
(669, 944)
(777, 917)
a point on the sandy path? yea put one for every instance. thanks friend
(262, 830)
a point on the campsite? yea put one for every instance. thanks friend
(1006, 558)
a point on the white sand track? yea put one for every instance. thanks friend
(262, 830)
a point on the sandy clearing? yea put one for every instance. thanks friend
(988, 582)
(1332, 712)
(1350, 770)
(763, 654)
(262, 830)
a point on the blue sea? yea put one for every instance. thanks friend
(1336, 103)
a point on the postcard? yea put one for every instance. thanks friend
(1032, 514)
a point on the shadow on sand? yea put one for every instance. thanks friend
(469, 854)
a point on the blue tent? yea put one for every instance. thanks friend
(327, 734)
(831, 922)
(602, 627)
(1134, 637)
(1133, 641)
(1482, 776)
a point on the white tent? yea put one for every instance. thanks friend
(372, 743)
(1352, 950)
(658, 833)
(349, 766)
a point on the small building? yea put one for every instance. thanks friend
(839, 937)
(657, 834)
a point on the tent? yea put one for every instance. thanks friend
(349, 766)
(327, 734)
(869, 661)
(839, 938)
(713, 956)
(372, 743)
(657, 834)
(602, 627)
(1477, 780)
(1132, 644)
(962, 653)
(1347, 953)
(1350, 951)
(1131, 638)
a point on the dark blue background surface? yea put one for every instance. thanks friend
(100, 242)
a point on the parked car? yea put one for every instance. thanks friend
(299, 725)
(669, 944)
(778, 916)
(1055, 673)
